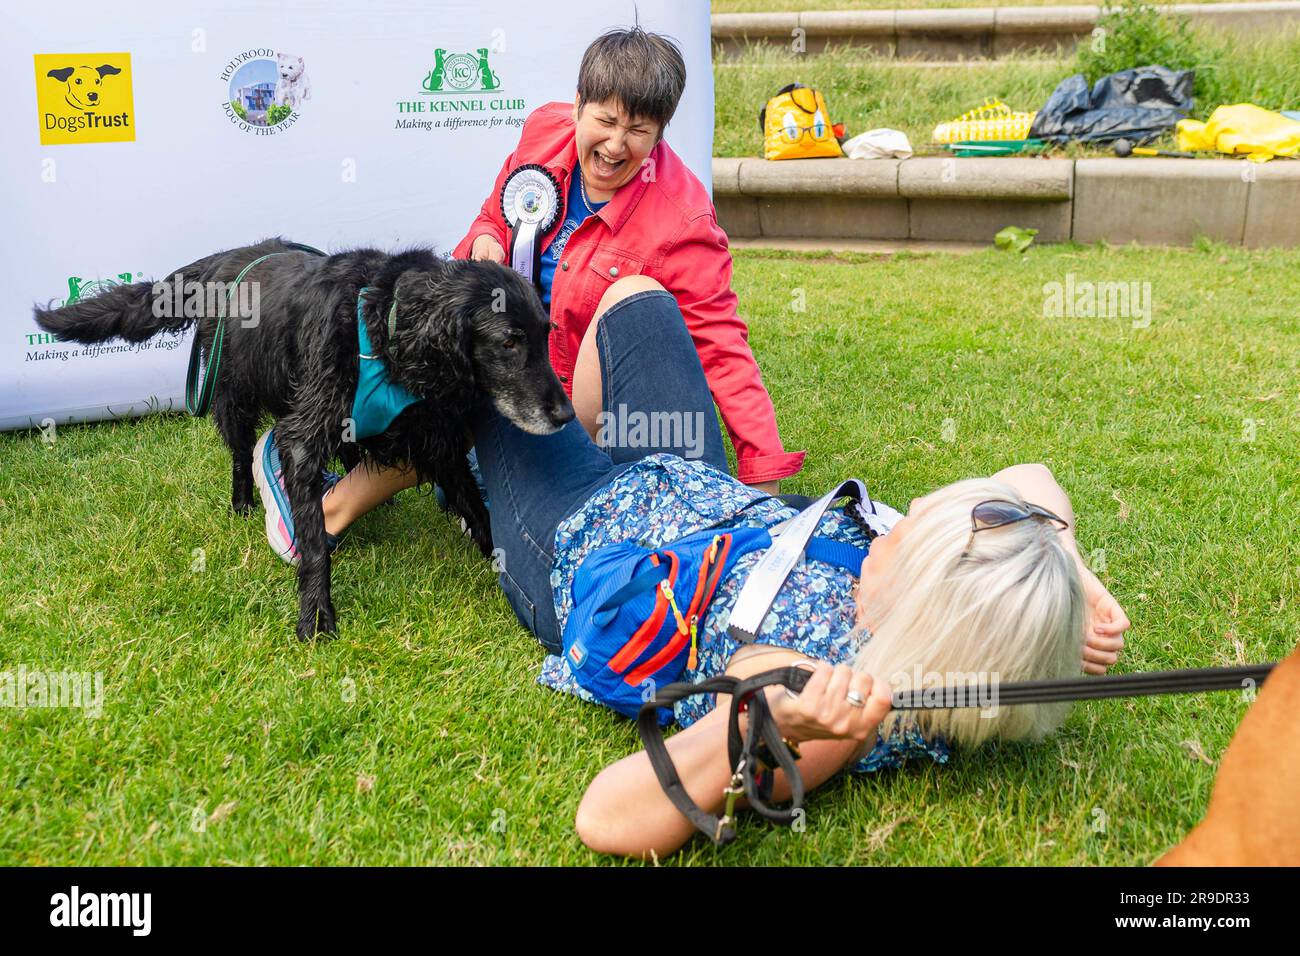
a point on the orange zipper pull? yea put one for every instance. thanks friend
(693, 658)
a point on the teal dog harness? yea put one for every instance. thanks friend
(378, 401)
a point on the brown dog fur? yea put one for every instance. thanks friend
(1254, 813)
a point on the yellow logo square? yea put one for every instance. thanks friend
(84, 98)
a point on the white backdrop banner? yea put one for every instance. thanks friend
(141, 137)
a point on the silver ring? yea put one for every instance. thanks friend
(855, 699)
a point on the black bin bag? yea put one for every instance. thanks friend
(1137, 105)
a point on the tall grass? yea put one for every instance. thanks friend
(867, 91)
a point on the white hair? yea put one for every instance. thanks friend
(1011, 608)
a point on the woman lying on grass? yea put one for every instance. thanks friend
(932, 597)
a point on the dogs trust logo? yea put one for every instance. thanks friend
(84, 98)
(265, 90)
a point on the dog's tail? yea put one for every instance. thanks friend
(121, 312)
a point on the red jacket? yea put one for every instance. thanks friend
(663, 226)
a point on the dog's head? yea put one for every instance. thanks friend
(290, 67)
(83, 83)
(479, 324)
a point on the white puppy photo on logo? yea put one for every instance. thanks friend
(292, 87)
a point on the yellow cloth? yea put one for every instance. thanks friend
(1242, 128)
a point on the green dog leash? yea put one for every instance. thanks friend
(198, 394)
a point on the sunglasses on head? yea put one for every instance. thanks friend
(998, 513)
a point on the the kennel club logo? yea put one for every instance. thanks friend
(458, 72)
(265, 90)
(450, 95)
(84, 98)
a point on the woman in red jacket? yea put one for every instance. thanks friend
(631, 217)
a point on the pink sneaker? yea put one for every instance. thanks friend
(268, 475)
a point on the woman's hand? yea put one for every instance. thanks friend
(625, 811)
(1104, 625)
(822, 711)
(1104, 620)
(486, 247)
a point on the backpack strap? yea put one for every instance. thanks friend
(766, 577)
(645, 581)
(838, 553)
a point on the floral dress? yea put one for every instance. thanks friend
(662, 498)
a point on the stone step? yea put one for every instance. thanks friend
(881, 247)
(947, 199)
(893, 64)
(969, 32)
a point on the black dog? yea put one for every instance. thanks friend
(464, 332)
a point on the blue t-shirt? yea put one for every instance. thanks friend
(575, 213)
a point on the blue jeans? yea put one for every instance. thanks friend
(648, 365)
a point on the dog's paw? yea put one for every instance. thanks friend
(316, 623)
(244, 508)
(483, 539)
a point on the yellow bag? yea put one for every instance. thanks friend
(993, 120)
(796, 125)
(1243, 128)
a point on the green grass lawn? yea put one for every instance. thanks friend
(419, 735)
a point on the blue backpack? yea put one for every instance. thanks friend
(636, 611)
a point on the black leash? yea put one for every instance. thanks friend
(763, 751)
(1190, 681)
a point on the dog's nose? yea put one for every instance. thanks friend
(561, 413)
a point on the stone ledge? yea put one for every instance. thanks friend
(1273, 205)
(818, 177)
(1159, 200)
(1150, 200)
(752, 24)
(1043, 180)
(955, 20)
(1035, 180)
(877, 23)
(1065, 19)
(969, 31)
(869, 246)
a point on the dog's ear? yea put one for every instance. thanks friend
(61, 75)
(107, 70)
(439, 316)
